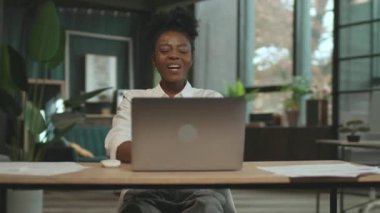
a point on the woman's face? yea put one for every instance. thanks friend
(172, 56)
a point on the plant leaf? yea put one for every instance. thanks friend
(230, 91)
(354, 122)
(33, 119)
(236, 90)
(18, 69)
(251, 95)
(78, 100)
(239, 89)
(45, 32)
(6, 81)
(62, 121)
(60, 54)
(59, 133)
(363, 129)
(8, 104)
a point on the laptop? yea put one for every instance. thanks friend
(187, 134)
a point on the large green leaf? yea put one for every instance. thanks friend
(78, 100)
(60, 54)
(33, 119)
(236, 90)
(44, 39)
(64, 120)
(59, 133)
(18, 69)
(240, 90)
(6, 81)
(8, 104)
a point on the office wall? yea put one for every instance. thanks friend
(17, 22)
(96, 22)
(215, 60)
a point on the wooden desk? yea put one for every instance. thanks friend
(97, 177)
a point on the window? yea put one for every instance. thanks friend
(358, 58)
(276, 41)
(322, 24)
(272, 58)
(273, 55)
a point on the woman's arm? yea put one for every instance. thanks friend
(123, 152)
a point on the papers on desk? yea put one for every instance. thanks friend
(39, 168)
(323, 170)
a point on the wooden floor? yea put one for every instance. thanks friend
(246, 201)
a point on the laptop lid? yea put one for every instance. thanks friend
(187, 134)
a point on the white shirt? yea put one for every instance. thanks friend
(121, 123)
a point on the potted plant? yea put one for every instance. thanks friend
(45, 48)
(21, 106)
(238, 90)
(353, 127)
(298, 88)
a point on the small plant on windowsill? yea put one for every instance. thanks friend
(238, 90)
(298, 88)
(353, 127)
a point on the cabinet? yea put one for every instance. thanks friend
(287, 143)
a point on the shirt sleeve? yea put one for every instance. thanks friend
(212, 94)
(121, 127)
(217, 95)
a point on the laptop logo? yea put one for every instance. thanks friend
(187, 133)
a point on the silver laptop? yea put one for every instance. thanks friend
(187, 134)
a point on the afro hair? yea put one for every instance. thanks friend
(178, 20)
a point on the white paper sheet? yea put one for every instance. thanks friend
(323, 170)
(39, 168)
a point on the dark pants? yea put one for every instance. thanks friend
(173, 201)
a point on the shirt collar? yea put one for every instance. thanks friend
(187, 91)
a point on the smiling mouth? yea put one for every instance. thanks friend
(174, 67)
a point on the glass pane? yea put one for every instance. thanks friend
(270, 102)
(272, 60)
(329, 5)
(376, 9)
(352, 11)
(354, 41)
(376, 73)
(322, 20)
(376, 37)
(354, 74)
(354, 106)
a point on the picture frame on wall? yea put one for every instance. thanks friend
(100, 72)
(85, 40)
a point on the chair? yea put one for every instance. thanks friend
(229, 207)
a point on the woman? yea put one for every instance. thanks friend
(172, 35)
